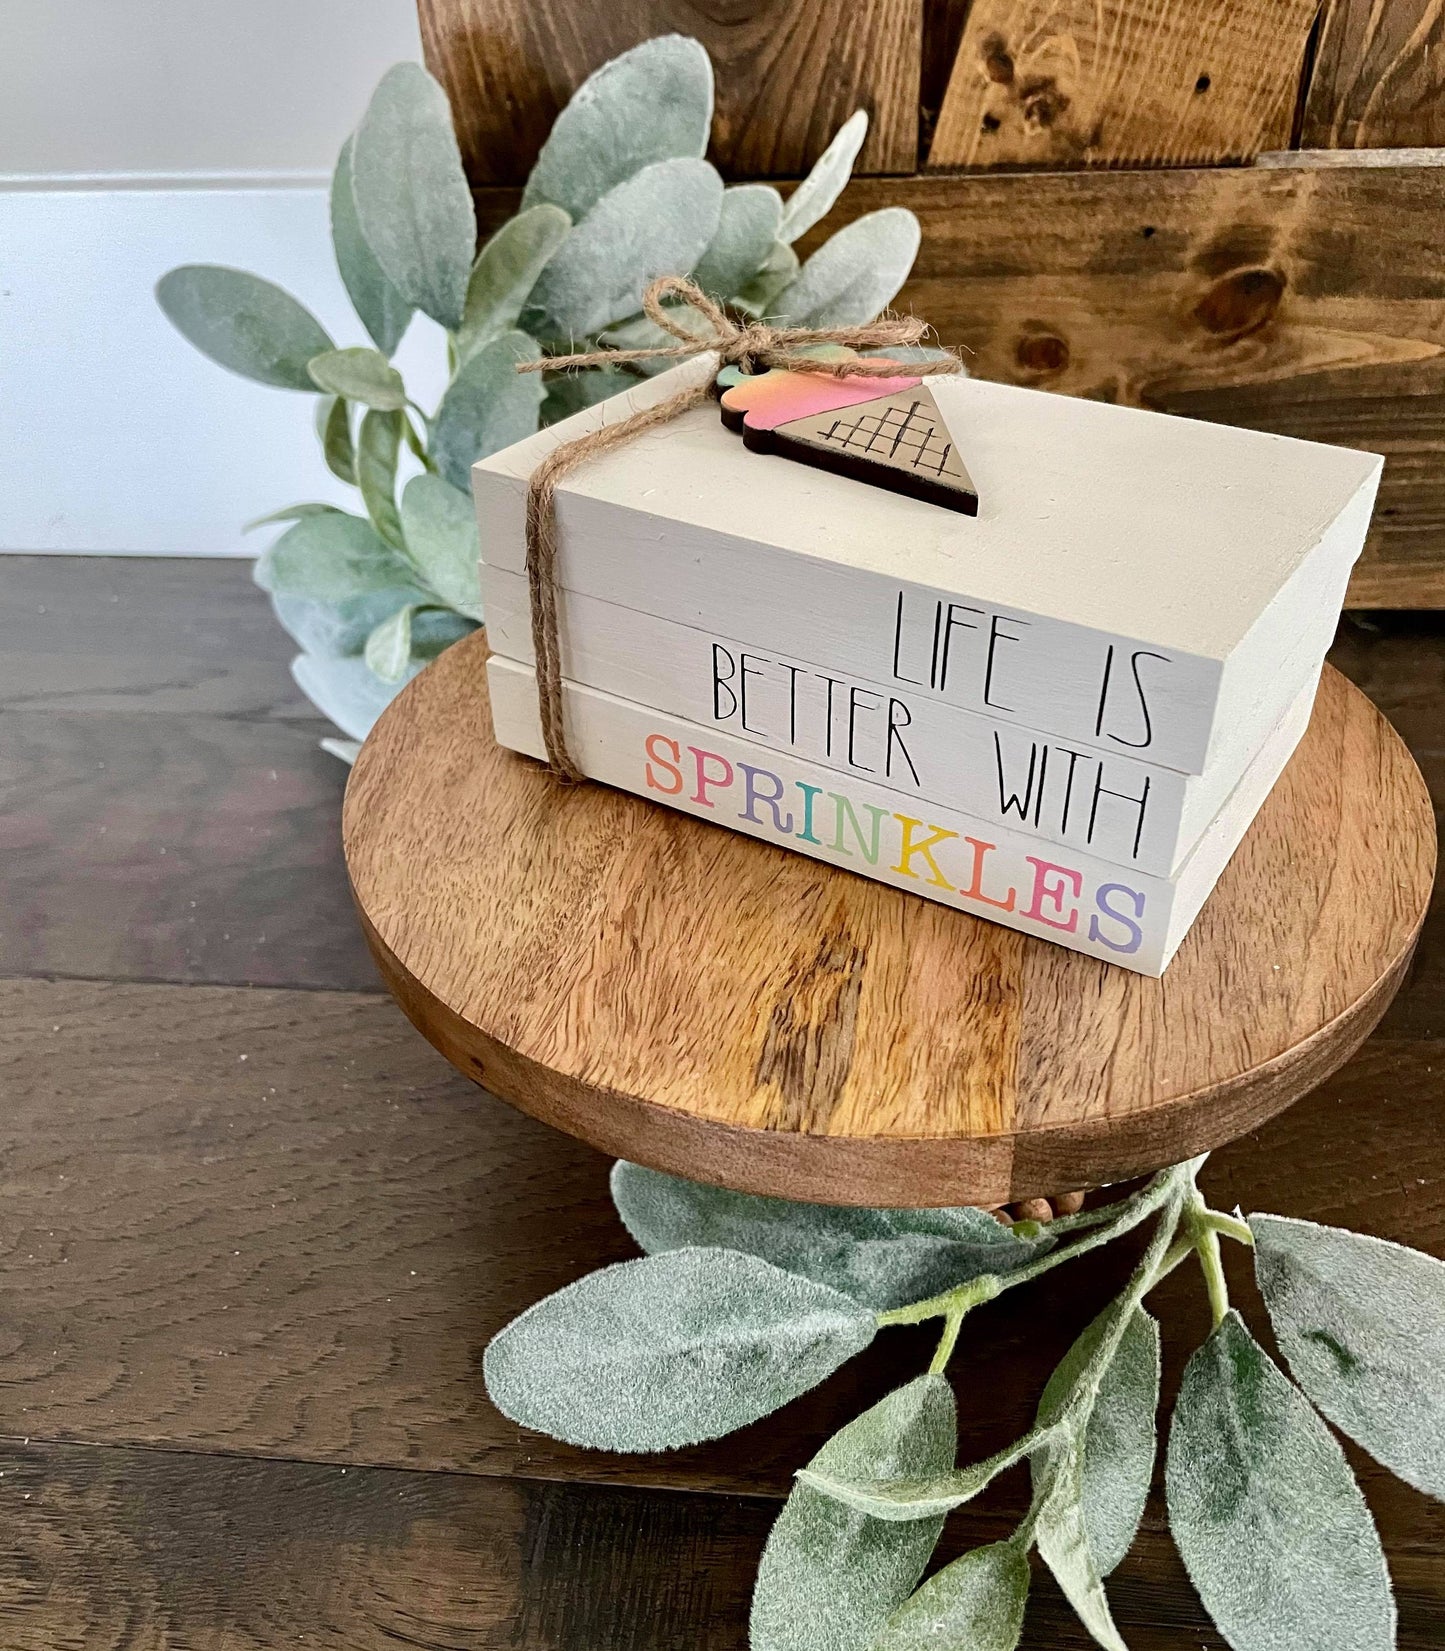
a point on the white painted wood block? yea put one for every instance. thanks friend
(1133, 583)
(1075, 900)
(1105, 803)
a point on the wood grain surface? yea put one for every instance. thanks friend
(1379, 76)
(788, 75)
(189, 1410)
(165, 798)
(157, 1551)
(676, 994)
(1124, 83)
(303, 1253)
(171, 815)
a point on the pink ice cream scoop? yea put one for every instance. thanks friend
(763, 401)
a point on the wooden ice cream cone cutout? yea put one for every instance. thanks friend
(887, 432)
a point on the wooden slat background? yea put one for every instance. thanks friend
(956, 84)
(1121, 82)
(1109, 250)
(788, 75)
(1379, 76)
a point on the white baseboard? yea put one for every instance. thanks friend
(117, 436)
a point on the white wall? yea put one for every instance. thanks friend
(139, 134)
(190, 85)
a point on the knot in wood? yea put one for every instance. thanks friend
(1240, 303)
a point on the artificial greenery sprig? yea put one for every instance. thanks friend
(620, 194)
(952, 1306)
(743, 1303)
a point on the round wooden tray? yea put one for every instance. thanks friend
(680, 995)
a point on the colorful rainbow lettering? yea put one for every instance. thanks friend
(907, 847)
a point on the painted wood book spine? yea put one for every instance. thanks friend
(1004, 876)
(1113, 693)
(1109, 805)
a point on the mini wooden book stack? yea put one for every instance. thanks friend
(1060, 714)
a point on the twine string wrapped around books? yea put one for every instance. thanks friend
(750, 345)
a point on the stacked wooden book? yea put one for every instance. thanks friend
(1060, 714)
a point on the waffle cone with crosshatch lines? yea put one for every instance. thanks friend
(898, 441)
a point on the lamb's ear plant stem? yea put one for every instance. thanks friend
(1204, 1227)
(417, 442)
(1177, 1187)
(1227, 1226)
(1120, 1218)
(984, 1289)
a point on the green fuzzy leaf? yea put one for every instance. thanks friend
(855, 275)
(332, 558)
(1265, 1511)
(377, 447)
(976, 1603)
(434, 630)
(337, 630)
(653, 103)
(347, 690)
(829, 1576)
(882, 1258)
(1119, 1436)
(440, 528)
(908, 354)
(382, 309)
(656, 223)
(574, 392)
(412, 199)
(488, 406)
(813, 199)
(670, 1350)
(641, 332)
(333, 431)
(388, 648)
(746, 232)
(413, 441)
(779, 270)
(359, 375)
(1361, 1323)
(291, 513)
(1062, 1535)
(899, 1501)
(505, 272)
(243, 323)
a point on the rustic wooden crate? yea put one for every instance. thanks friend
(1205, 206)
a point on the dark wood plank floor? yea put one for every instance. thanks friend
(254, 1234)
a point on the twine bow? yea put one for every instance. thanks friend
(750, 345)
